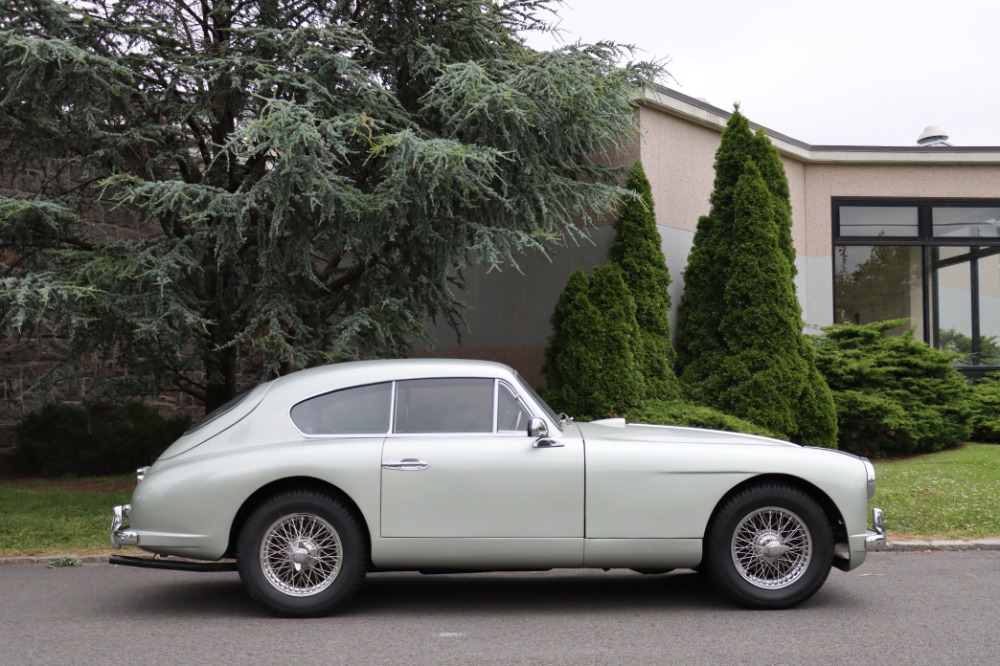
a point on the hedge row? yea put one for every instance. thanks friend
(94, 439)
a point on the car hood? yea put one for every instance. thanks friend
(618, 429)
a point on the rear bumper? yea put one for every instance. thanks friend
(121, 535)
(876, 536)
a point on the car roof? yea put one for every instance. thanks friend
(322, 379)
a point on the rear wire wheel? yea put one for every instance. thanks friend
(770, 546)
(302, 554)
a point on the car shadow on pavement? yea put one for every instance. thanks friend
(390, 594)
(555, 592)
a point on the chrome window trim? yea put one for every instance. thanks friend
(496, 405)
(520, 401)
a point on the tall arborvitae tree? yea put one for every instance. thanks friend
(740, 343)
(592, 368)
(637, 250)
(816, 411)
(760, 323)
(570, 333)
(263, 185)
(698, 337)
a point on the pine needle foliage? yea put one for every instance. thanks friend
(637, 250)
(215, 185)
(740, 344)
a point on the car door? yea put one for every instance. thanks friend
(461, 464)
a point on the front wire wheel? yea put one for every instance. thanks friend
(770, 546)
(302, 554)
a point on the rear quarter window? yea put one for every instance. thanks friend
(355, 411)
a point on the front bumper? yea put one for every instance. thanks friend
(876, 537)
(121, 535)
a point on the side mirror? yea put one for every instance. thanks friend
(538, 427)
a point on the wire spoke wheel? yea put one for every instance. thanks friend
(771, 547)
(301, 554)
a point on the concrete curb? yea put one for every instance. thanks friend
(919, 546)
(915, 546)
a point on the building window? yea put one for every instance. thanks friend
(934, 262)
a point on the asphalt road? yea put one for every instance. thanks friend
(899, 608)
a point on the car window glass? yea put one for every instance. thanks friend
(444, 405)
(359, 410)
(510, 414)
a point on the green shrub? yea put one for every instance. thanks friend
(675, 412)
(894, 394)
(96, 439)
(986, 409)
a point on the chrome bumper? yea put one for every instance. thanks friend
(121, 535)
(876, 538)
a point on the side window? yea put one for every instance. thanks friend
(511, 415)
(444, 405)
(353, 411)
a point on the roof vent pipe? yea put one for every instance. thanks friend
(933, 136)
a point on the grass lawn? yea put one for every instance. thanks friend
(59, 516)
(952, 494)
(948, 495)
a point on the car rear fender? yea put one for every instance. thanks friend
(297, 483)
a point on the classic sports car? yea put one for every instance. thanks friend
(313, 479)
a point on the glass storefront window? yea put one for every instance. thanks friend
(966, 302)
(989, 308)
(891, 221)
(966, 222)
(952, 301)
(878, 282)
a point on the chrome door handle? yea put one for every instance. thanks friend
(406, 464)
(545, 443)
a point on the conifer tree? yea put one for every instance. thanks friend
(569, 334)
(698, 341)
(263, 185)
(740, 343)
(760, 322)
(592, 368)
(637, 250)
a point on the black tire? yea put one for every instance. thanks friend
(302, 554)
(770, 546)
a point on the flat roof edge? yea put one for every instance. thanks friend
(705, 114)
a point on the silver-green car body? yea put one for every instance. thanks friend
(469, 470)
